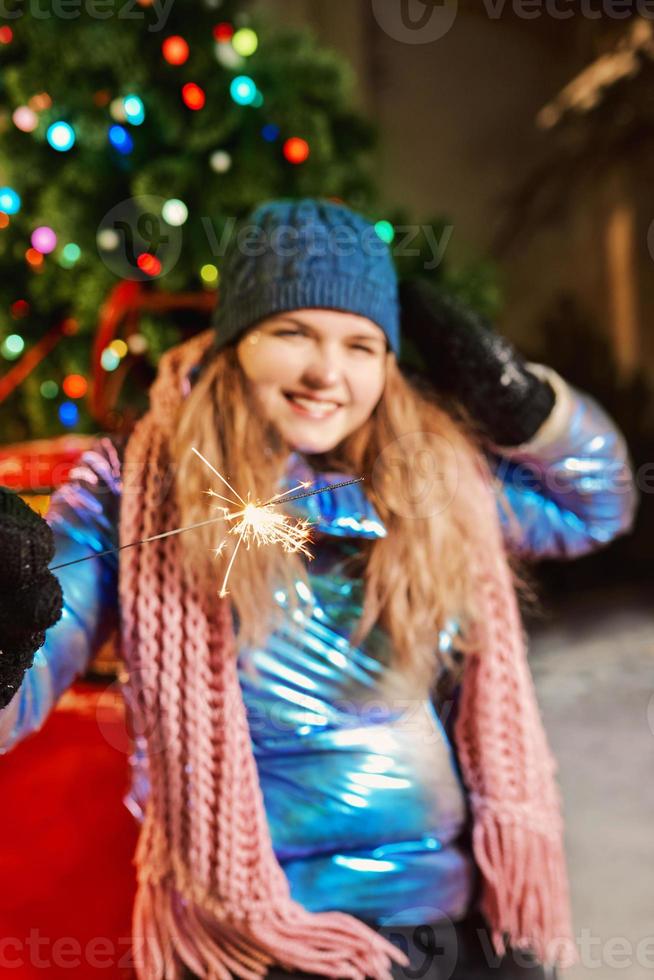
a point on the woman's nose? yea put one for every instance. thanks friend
(323, 369)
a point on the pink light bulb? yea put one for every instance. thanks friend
(44, 239)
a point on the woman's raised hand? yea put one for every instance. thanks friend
(466, 358)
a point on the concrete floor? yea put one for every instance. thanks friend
(593, 664)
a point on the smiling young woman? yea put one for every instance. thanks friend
(302, 790)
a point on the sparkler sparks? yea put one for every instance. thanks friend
(260, 522)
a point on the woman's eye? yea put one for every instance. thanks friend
(289, 332)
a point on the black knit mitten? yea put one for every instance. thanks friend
(466, 358)
(30, 595)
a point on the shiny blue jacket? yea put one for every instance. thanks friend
(366, 808)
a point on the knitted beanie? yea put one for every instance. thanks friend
(295, 254)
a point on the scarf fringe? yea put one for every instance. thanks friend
(524, 891)
(171, 930)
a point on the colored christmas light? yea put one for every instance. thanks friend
(109, 360)
(44, 240)
(4, 220)
(245, 42)
(70, 326)
(270, 132)
(175, 50)
(209, 274)
(9, 200)
(20, 309)
(49, 389)
(70, 254)
(6, 35)
(30, 359)
(25, 119)
(12, 346)
(119, 347)
(223, 32)
(40, 102)
(75, 385)
(68, 414)
(34, 257)
(296, 150)
(174, 212)
(193, 96)
(149, 264)
(227, 57)
(120, 139)
(385, 231)
(137, 343)
(134, 109)
(243, 90)
(60, 136)
(117, 110)
(108, 239)
(220, 161)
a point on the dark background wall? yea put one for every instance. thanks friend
(459, 136)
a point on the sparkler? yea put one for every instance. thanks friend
(258, 522)
(255, 522)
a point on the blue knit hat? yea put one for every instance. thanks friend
(292, 254)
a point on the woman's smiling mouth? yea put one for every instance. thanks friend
(315, 408)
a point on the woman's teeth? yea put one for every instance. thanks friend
(317, 409)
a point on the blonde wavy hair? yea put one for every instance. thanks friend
(415, 578)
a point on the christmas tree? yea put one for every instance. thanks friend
(132, 143)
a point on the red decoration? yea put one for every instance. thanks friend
(78, 762)
(296, 150)
(41, 465)
(223, 32)
(175, 50)
(193, 96)
(6, 35)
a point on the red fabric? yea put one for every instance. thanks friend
(42, 464)
(66, 844)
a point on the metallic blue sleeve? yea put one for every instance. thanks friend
(570, 489)
(83, 515)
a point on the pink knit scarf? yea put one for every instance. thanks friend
(211, 893)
